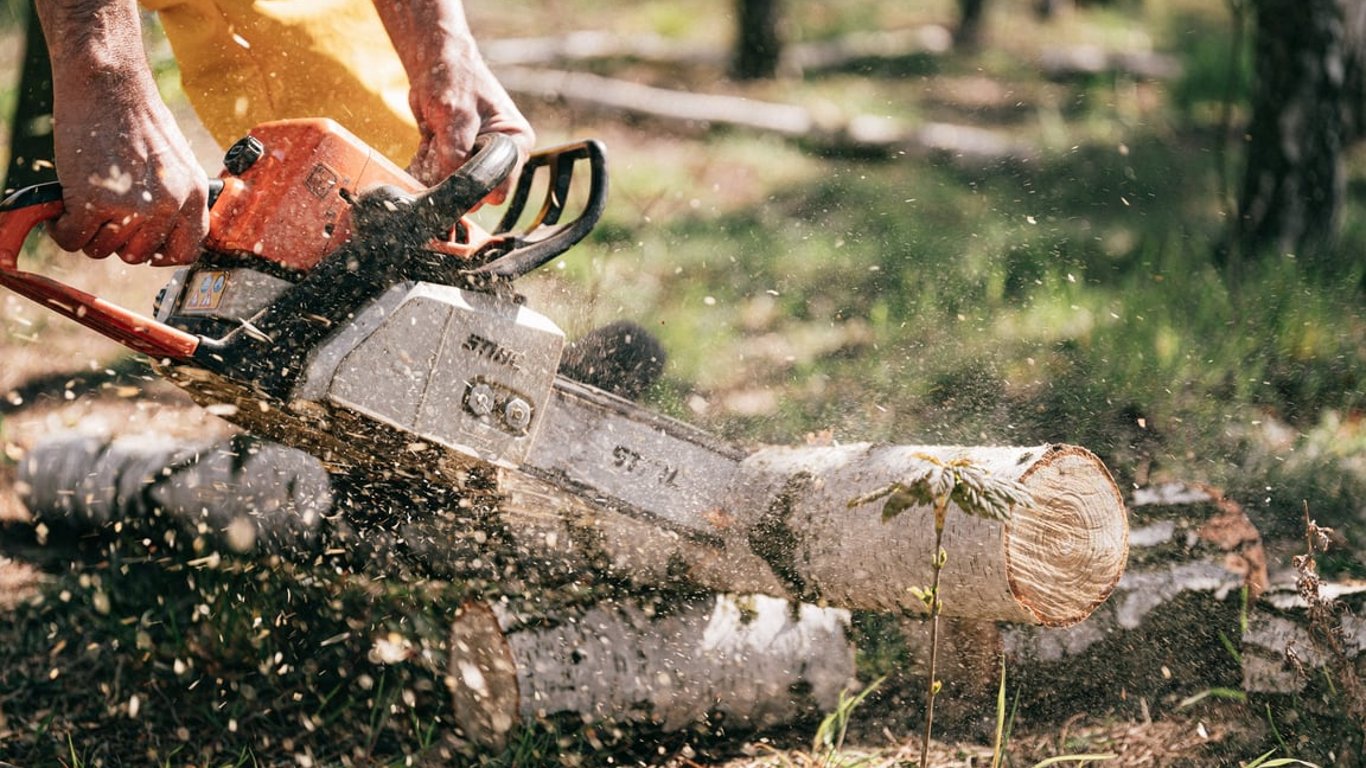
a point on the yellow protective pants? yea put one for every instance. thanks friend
(244, 62)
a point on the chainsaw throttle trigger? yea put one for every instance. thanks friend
(544, 237)
(26, 209)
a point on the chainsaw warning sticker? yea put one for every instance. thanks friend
(206, 291)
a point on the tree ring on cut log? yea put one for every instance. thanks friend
(1065, 557)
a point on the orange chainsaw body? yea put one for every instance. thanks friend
(291, 205)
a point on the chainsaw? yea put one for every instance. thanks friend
(341, 308)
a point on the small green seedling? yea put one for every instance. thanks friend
(937, 483)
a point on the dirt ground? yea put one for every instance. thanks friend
(36, 344)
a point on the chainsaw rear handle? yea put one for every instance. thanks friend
(323, 293)
(29, 207)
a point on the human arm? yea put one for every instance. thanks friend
(130, 182)
(453, 95)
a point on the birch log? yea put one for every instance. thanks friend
(785, 528)
(1283, 648)
(1305, 666)
(777, 522)
(747, 662)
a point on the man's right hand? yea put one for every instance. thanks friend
(130, 182)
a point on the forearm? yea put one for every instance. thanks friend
(96, 49)
(430, 36)
(130, 182)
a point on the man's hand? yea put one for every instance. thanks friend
(453, 94)
(130, 182)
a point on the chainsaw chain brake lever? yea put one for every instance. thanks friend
(388, 213)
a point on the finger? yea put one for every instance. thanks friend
(186, 232)
(109, 238)
(147, 243)
(183, 241)
(74, 231)
(523, 140)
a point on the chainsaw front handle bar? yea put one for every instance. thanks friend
(26, 209)
(507, 255)
(545, 237)
(491, 161)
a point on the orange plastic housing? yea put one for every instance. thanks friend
(289, 208)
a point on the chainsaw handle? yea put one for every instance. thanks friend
(545, 238)
(31, 206)
(491, 161)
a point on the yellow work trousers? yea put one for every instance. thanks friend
(244, 62)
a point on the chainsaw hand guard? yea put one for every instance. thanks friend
(545, 238)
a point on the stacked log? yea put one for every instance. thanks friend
(745, 662)
(1304, 664)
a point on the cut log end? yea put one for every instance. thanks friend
(482, 676)
(1065, 556)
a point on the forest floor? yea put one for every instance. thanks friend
(1072, 299)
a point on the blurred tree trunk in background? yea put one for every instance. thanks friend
(969, 33)
(1051, 9)
(758, 44)
(1354, 17)
(1306, 107)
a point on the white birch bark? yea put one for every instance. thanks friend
(785, 528)
(752, 662)
(778, 522)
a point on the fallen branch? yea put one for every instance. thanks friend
(866, 134)
(1088, 60)
(590, 47)
(1281, 655)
